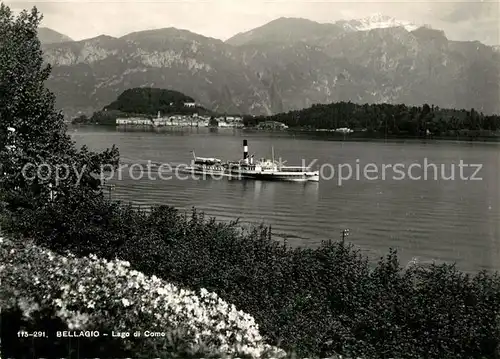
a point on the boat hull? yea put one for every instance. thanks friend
(278, 176)
(262, 176)
(203, 172)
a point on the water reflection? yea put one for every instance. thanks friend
(310, 190)
(265, 190)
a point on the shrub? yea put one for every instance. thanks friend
(318, 301)
(94, 294)
(36, 154)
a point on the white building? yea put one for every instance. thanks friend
(163, 121)
(133, 121)
(189, 104)
(344, 130)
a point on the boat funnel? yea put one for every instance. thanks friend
(245, 151)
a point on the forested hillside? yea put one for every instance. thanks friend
(389, 119)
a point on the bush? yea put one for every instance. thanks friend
(89, 294)
(313, 301)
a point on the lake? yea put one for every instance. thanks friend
(432, 219)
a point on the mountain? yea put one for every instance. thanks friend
(286, 30)
(285, 65)
(149, 101)
(89, 74)
(375, 21)
(296, 29)
(49, 36)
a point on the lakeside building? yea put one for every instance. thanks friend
(181, 121)
(344, 130)
(235, 119)
(175, 121)
(194, 120)
(229, 122)
(133, 121)
(271, 125)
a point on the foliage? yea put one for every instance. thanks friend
(149, 101)
(213, 122)
(146, 102)
(82, 119)
(31, 154)
(313, 301)
(89, 294)
(109, 117)
(387, 119)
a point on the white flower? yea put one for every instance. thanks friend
(85, 282)
(77, 320)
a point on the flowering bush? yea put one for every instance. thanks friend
(95, 294)
(314, 301)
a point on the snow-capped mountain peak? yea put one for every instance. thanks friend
(376, 21)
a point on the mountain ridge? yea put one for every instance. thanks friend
(377, 20)
(302, 65)
(373, 21)
(50, 36)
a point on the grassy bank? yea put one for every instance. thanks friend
(310, 301)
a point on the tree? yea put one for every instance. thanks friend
(213, 122)
(33, 139)
(80, 119)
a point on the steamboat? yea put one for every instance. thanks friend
(205, 166)
(247, 167)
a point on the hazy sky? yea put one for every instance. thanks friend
(461, 20)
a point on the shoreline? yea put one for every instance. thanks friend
(320, 135)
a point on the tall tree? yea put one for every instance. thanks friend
(33, 138)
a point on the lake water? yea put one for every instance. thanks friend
(443, 220)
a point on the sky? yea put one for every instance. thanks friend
(221, 19)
